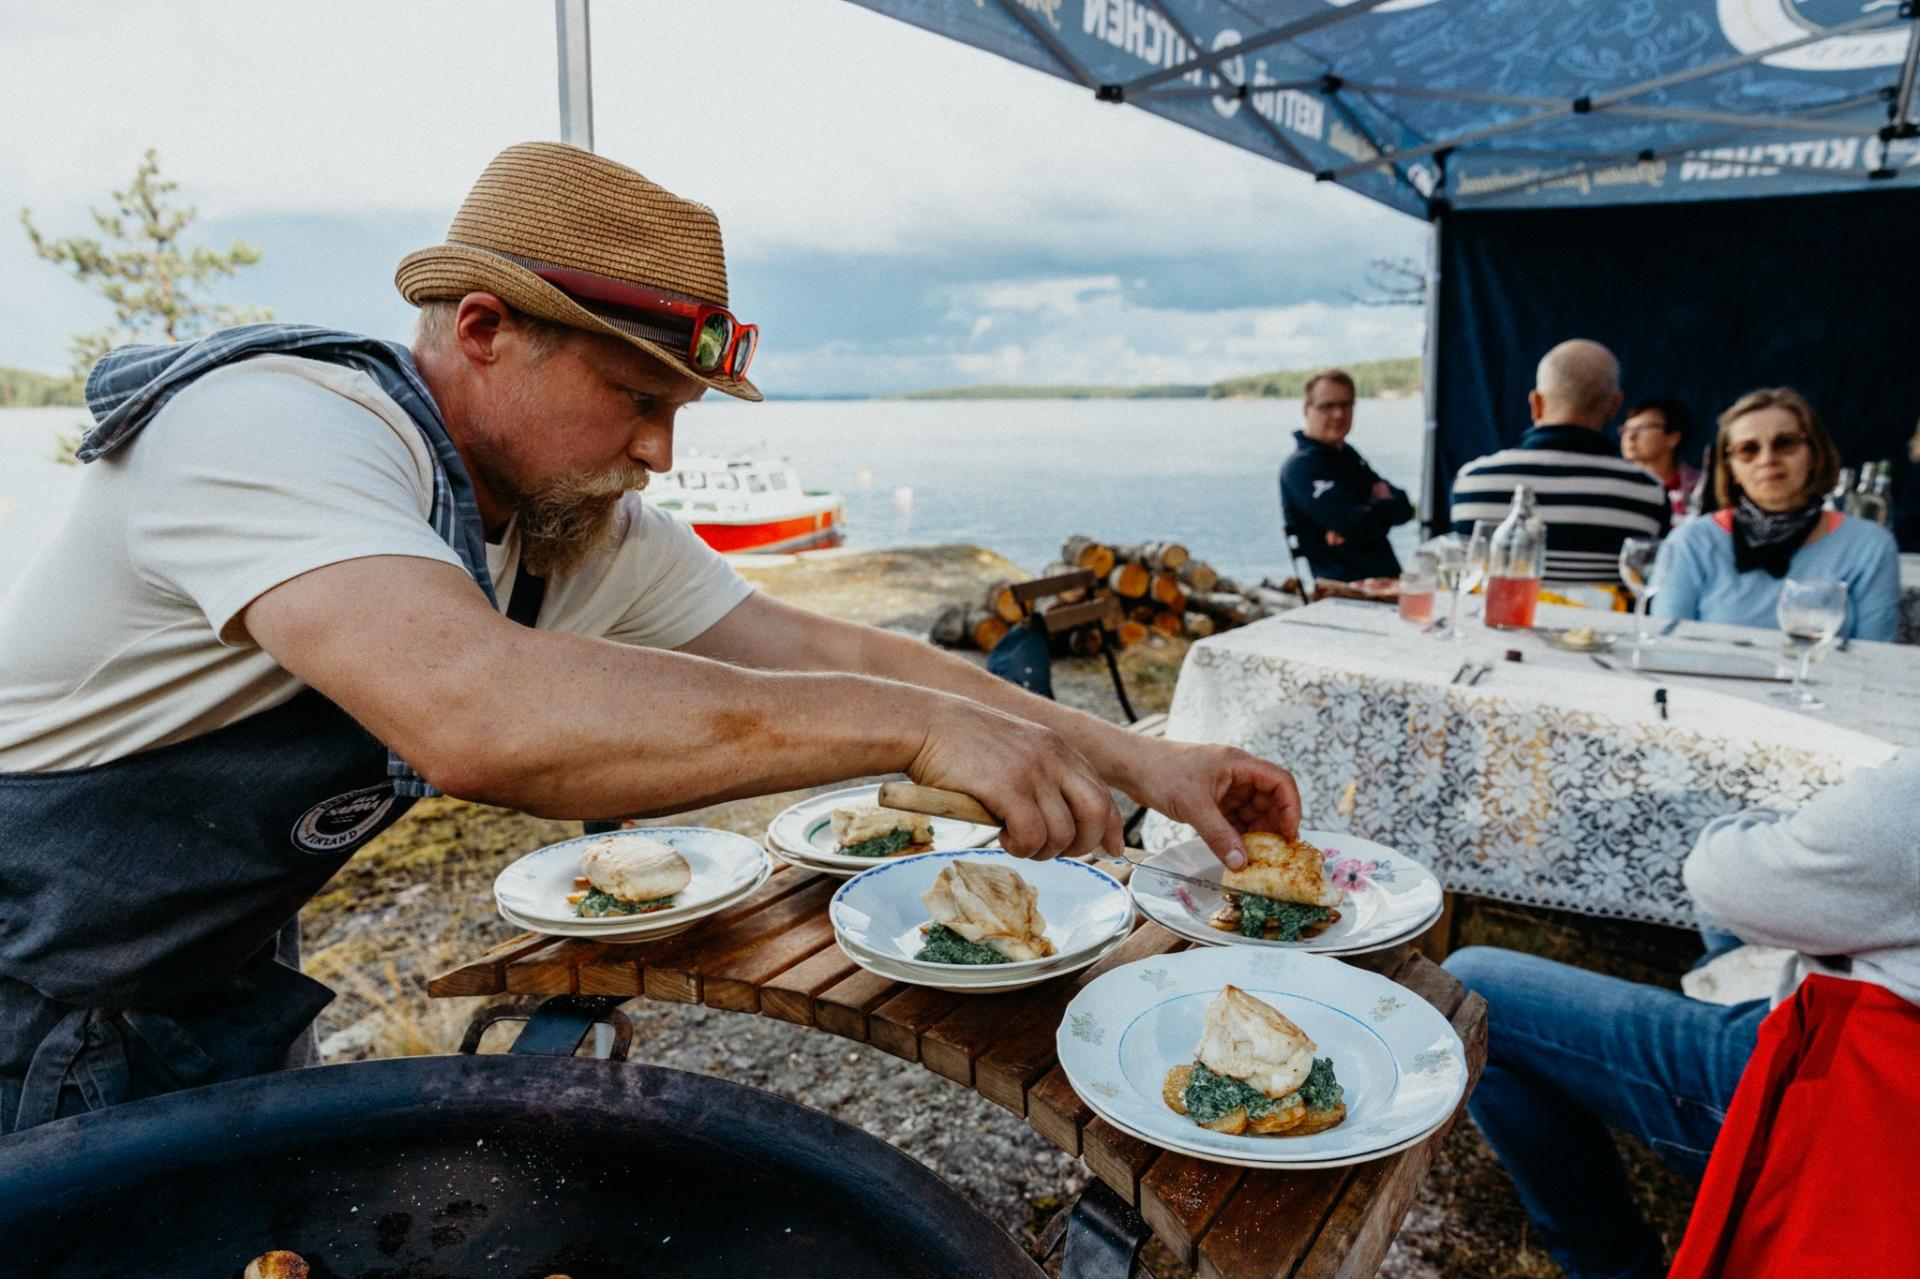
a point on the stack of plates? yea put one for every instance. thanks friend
(1390, 897)
(877, 917)
(1400, 1063)
(803, 834)
(532, 892)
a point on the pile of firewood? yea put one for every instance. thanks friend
(1155, 588)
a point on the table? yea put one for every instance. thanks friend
(1551, 781)
(774, 955)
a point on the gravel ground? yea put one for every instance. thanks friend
(419, 900)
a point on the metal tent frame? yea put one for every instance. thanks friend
(1407, 102)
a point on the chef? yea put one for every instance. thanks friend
(309, 577)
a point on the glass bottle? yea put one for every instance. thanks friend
(1842, 494)
(1516, 561)
(1876, 501)
(1861, 491)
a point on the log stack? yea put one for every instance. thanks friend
(1157, 588)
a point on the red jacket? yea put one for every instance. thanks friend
(1816, 1173)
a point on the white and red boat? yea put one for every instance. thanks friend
(748, 504)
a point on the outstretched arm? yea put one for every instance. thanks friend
(570, 726)
(1218, 790)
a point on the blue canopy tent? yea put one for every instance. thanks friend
(1726, 192)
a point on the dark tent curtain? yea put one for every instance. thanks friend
(1701, 302)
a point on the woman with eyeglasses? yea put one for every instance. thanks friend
(1771, 466)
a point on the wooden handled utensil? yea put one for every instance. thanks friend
(935, 802)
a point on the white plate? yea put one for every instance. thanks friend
(536, 886)
(880, 910)
(1402, 1066)
(671, 928)
(979, 980)
(996, 973)
(638, 927)
(1389, 896)
(807, 829)
(803, 862)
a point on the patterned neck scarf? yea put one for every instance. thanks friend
(1768, 539)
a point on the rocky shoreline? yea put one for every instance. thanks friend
(419, 899)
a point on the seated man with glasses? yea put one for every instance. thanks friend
(1772, 465)
(1330, 498)
(1652, 435)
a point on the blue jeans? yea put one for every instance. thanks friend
(1571, 1053)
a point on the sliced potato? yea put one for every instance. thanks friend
(1173, 1090)
(1319, 1120)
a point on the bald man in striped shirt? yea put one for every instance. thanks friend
(1590, 497)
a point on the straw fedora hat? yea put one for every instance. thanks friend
(549, 206)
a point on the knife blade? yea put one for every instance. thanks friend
(935, 802)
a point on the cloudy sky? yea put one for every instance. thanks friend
(901, 212)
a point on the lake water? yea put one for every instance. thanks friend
(1017, 476)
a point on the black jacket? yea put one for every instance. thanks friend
(1325, 489)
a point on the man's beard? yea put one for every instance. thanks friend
(564, 522)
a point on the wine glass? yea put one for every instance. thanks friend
(1811, 613)
(1449, 570)
(1479, 555)
(1637, 555)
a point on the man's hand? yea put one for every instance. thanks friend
(1382, 490)
(1334, 539)
(1220, 791)
(1049, 798)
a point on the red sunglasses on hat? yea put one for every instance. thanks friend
(719, 346)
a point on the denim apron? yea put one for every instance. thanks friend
(149, 906)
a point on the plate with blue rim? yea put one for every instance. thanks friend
(806, 830)
(1390, 896)
(879, 912)
(535, 887)
(1402, 1068)
(978, 979)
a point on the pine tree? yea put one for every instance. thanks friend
(139, 262)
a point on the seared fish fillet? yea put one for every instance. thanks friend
(990, 905)
(1247, 1040)
(1287, 872)
(634, 868)
(859, 823)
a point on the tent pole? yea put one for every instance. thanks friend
(1901, 119)
(576, 73)
(1430, 382)
(1059, 51)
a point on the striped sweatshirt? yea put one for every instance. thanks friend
(1590, 497)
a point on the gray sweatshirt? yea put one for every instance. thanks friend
(1838, 881)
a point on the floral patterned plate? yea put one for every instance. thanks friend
(1400, 1063)
(1390, 897)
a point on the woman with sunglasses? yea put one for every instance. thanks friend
(1771, 466)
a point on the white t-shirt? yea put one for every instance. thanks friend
(123, 633)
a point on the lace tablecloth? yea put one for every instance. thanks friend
(1552, 781)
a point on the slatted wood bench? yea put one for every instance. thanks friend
(774, 955)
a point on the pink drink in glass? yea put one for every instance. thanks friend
(1416, 606)
(1510, 602)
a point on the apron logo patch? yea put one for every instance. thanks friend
(342, 821)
